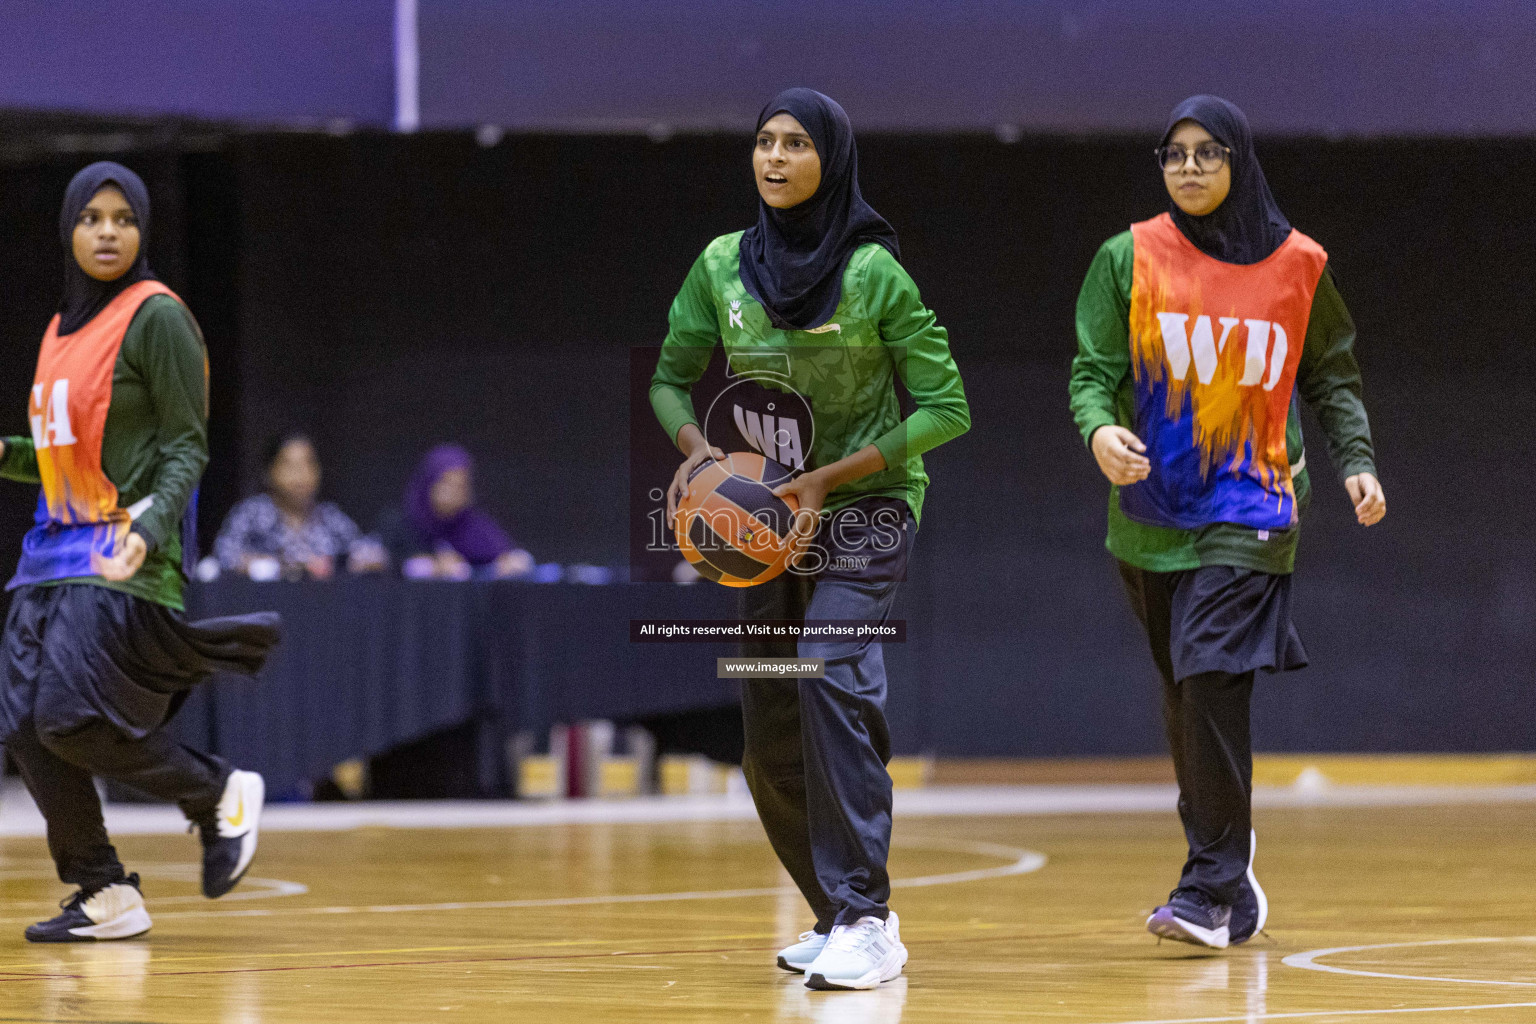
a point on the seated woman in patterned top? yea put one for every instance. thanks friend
(285, 531)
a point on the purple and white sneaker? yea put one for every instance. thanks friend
(1192, 916)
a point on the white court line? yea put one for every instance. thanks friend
(1023, 862)
(1302, 1015)
(19, 817)
(1308, 961)
(261, 889)
(17, 869)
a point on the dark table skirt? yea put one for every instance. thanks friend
(369, 663)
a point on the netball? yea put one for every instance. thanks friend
(732, 528)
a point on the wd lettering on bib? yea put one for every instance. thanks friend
(78, 520)
(1214, 352)
(1205, 349)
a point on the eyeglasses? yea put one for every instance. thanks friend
(1209, 157)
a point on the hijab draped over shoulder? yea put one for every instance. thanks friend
(792, 260)
(84, 296)
(1247, 226)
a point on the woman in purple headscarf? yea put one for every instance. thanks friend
(442, 533)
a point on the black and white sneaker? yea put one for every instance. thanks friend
(1192, 916)
(114, 911)
(229, 833)
(1250, 911)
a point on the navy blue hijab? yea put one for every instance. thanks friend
(84, 296)
(792, 261)
(1247, 226)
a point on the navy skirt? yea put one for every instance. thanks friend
(77, 653)
(1217, 618)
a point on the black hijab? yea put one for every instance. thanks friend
(84, 296)
(1247, 226)
(792, 261)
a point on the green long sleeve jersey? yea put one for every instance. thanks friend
(845, 369)
(155, 441)
(1101, 391)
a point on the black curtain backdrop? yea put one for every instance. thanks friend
(391, 292)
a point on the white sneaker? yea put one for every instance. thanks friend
(113, 912)
(229, 833)
(859, 955)
(799, 956)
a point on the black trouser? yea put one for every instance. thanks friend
(1207, 719)
(58, 770)
(816, 749)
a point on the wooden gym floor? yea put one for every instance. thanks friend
(1416, 913)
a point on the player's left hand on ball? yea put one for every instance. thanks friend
(1370, 500)
(810, 494)
(121, 566)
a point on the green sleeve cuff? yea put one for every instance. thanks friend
(673, 407)
(20, 462)
(893, 445)
(1358, 466)
(1090, 420)
(150, 540)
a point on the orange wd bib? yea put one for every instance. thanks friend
(1214, 352)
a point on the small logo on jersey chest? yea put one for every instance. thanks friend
(736, 314)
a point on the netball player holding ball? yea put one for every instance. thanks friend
(816, 283)
(1197, 330)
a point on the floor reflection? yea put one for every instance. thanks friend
(1236, 982)
(882, 1005)
(242, 1000)
(91, 978)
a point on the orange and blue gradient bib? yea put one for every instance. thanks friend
(78, 520)
(1214, 351)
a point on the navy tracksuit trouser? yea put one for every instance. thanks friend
(816, 749)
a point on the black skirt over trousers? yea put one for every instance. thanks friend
(90, 677)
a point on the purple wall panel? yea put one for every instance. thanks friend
(1297, 66)
(1436, 67)
(278, 61)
